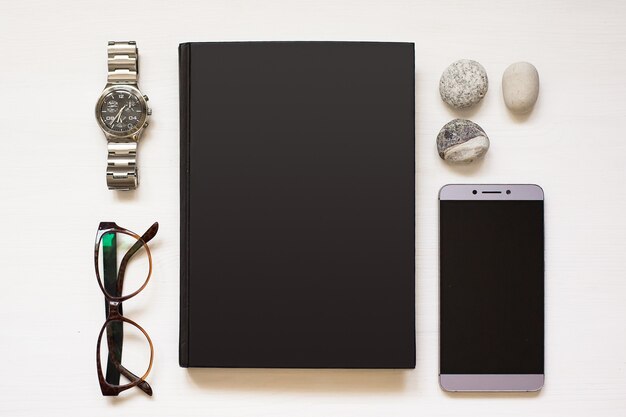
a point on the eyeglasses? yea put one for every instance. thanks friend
(136, 263)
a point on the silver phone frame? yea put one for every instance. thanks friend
(489, 382)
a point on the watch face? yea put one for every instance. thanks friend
(121, 111)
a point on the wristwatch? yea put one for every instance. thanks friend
(122, 112)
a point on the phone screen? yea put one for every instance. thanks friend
(491, 286)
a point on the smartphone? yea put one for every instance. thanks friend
(491, 287)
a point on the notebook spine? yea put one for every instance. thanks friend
(184, 55)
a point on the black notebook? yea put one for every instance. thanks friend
(297, 217)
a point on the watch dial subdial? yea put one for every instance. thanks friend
(121, 111)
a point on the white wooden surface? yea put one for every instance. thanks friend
(52, 69)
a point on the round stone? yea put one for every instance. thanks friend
(520, 87)
(463, 84)
(462, 141)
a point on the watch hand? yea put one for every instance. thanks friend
(119, 113)
(115, 118)
(121, 110)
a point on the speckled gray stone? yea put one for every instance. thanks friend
(462, 141)
(463, 84)
(520, 87)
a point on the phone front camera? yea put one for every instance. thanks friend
(474, 192)
(508, 191)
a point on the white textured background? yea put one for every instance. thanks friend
(52, 191)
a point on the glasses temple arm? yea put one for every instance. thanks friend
(143, 385)
(147, 236)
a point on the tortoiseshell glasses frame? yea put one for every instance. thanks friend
(111, 287)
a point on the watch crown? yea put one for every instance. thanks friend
(149, 111)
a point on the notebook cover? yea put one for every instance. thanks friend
(297, 188)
